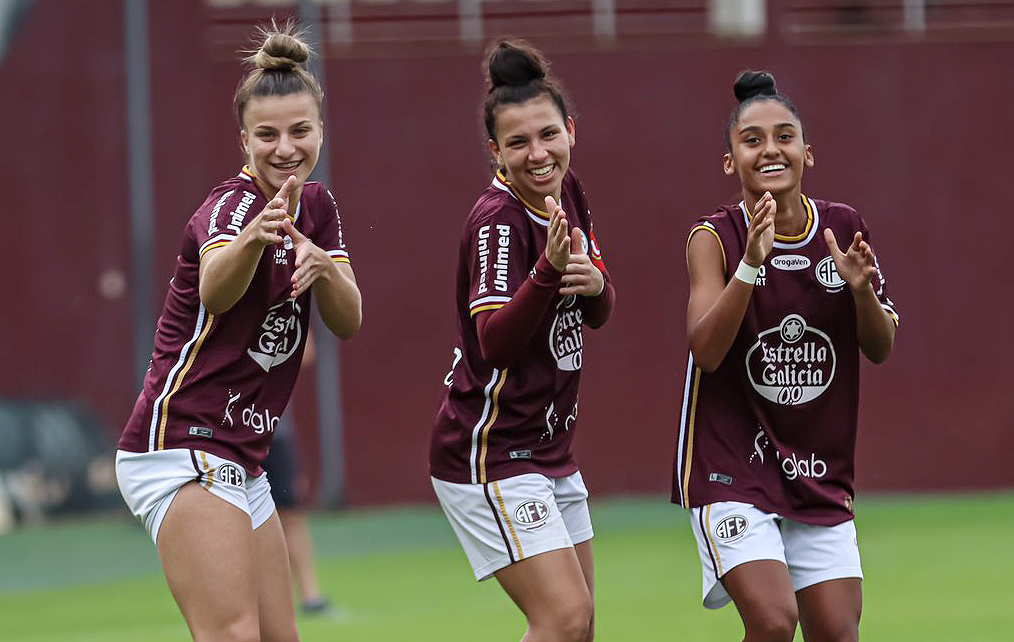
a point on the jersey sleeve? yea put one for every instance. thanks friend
(331, 236)
(499, 260)
(222, 217)
(879, 281)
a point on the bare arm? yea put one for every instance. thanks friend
(716, 308)
(334, 285)
(857, 266)
(225, 273)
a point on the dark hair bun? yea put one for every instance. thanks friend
(754, 83)
(514, 63)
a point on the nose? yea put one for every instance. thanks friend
(770, 146)
(285, 147)
(537, 151)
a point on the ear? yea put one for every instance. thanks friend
(321, 142)
(808, 156)
(494, 149)
(571, 130)
(727, 165)
(243, 138)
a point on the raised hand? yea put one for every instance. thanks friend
(760, 235)
(311, 262)
(263, 229)
(581, 277)
(857, 265)
(558, 237)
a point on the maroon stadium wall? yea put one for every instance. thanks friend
(914, 134)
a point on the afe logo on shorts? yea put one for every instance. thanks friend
(532, 513)
(731, 528)
(229, 474)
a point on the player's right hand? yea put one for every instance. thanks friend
(264, 228)
(760, 235)
(558, 236)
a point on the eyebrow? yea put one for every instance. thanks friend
(758, 128)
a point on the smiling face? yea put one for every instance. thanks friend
(281, 136)
(533, 142)
(767, 150)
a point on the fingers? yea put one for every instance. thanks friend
(576, 242)
(856, 241)
(832, 243)
(290, 229)
(286, 188)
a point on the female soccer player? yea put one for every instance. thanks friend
(776, 319)
(528, 280)
(227, 351)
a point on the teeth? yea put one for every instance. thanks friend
(772, 168)
(287, 165)
(542, 171)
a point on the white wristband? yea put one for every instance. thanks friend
(747, 273)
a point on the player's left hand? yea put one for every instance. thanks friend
(581, 276)
(857, 265)
(311, 261)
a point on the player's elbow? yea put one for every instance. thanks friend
(213, 302)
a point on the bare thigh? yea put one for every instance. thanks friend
(830, 611)
(274, 593)
(762, 592)
(552, 590)
(207, 552)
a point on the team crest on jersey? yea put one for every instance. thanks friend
(565, 337)
(281, 334)
(792, 363)
(828, 276)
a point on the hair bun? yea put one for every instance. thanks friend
(754, 83)
(514, 64)
(281, 51)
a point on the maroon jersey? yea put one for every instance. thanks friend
(775, 424)
(500, 422)
(219, 383)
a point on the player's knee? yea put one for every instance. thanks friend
(240, 629)
(775, 627)
(574, 623)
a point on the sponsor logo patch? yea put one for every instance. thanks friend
(520, 454)
(731, 528)
(532, 513)
(827, 274)
(791, 364)
(281, 334)
(565, 336)
(200, 431)
(790, 262)
(229, 474)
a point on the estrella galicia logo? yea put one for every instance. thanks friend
(792, 363)
(827, 274)
(229, 474)
(532, 513)
(281, 334)
(731, 528)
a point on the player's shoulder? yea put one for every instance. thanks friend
(723, 216)
(319, 198)
(233, 195)
(836, 213)
(495, 205)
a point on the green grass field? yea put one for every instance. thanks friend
(937, 567)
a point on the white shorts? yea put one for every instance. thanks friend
(731, 533)
(149, 483)
(506, 521)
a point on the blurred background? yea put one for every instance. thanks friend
(121, 121)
